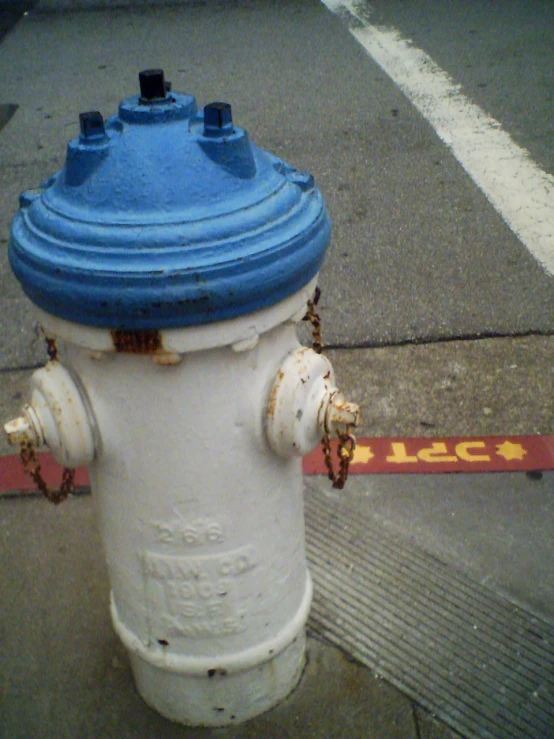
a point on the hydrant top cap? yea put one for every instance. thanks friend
(165, 216)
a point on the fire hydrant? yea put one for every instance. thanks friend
(170, 260)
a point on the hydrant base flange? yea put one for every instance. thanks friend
(223, 690)
(189, 700)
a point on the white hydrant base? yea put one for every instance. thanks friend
(203, 692)
(229, 699)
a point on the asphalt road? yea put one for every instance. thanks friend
(501, 53)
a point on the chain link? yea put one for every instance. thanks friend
(31, 465)
(346, 441)
(51, 348)
(315, 320)
(345, 452)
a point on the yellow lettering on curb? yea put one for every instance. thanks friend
(510, 451)
(437, 452)
(462, 450)
(399, 454)
(362, 454)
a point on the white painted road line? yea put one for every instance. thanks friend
(517, 188)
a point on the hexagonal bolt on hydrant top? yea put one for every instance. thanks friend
(170, 260)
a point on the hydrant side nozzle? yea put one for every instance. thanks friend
(305, 404)
(57, 417)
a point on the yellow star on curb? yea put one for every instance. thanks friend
(510, 451)
(362, 454)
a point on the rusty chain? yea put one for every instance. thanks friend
(346, 439)
(345, 451)
(31, 462)
(313, 317)
(31, 465)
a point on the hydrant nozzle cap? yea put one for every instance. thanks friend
(340, 412)
(91, 125)
(21, 430)
(152, 85)
(218, 119)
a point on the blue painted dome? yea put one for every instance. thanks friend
(166, 216)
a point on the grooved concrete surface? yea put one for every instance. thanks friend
(482, 663)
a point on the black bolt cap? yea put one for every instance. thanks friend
(218, 119)
(92, 125)
(152, 85)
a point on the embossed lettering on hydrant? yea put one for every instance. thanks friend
(191, 533)
(200, 593)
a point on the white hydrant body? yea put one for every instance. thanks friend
(202, 523)
(193, 434)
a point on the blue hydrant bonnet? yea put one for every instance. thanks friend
(166, 216)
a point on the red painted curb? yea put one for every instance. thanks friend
(373, 455)
(446, 454)
(13, 477)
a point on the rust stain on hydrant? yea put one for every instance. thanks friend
(51, 348)
(137, 341)
(273, 397)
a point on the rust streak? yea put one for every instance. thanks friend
(51, 348)
(137, 341)
(273, 397)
